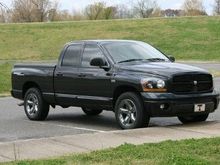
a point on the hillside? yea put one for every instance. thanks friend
(195, 38)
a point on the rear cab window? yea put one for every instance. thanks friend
(72, 55)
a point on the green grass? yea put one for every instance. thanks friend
(204, 151)
(186, 38)
(5, 78)
(191, 38)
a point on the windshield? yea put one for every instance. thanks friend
(134, 51)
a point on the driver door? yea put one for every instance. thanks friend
(95, 82)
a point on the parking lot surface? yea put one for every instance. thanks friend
(14, 125)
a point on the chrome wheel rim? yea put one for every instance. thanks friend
(127, 112)
(32, 104)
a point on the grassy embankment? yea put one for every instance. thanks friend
(186, 38)
(204, 151)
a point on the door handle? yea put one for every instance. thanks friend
(59, 74)
(82, 75)
(109, 74)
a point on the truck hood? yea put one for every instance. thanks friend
(164, 69)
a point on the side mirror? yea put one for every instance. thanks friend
(172, 59)
(100, 62)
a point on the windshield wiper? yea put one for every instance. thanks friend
(130, 60)
(156, 59)
(150, 59)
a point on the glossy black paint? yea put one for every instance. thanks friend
(178, 105)
(99, 87)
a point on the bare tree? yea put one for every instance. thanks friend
(110, 12)
(217, 7)
(95, 11)
(123, 11)
(157, 12)
(145, 8)
(194, 7)
(22, 11)
(78, 15)
(4, 13)
(42, 9)
(33, 10)
(62, 15)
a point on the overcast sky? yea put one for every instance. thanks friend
(80, 4)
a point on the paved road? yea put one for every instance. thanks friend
(15, 126)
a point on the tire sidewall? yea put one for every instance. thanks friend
(92, 112)
(41, 105)
(139, 110)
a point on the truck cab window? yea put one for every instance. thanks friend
(91, 51)
(72, 55)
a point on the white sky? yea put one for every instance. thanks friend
(80, 4)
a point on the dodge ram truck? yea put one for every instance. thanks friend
(131, 78)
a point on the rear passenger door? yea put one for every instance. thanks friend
(66, 76)
(95, 83)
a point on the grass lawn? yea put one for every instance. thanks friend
(190, 38)
(204, 151)
(5, 78)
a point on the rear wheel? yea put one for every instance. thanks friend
(130, 112)
(193, 119)
(92, 112)
(34, 105)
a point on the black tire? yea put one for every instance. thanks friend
(130, 112)
(35, 107)
(193, 119)
(92, 112)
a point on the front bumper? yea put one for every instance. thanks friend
(179, 105)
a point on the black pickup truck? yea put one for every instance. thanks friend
(130, 78)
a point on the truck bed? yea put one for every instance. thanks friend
(24, 74)
(35, 65)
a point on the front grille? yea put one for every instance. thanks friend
(192, 83)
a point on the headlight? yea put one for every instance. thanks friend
(160, 84)
(153, 85)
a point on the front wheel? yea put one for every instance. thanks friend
(193, 119)
(92, 112)
(34, 105)
(130, 112)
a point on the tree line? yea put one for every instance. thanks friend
(48, 10)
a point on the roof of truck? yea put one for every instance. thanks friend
(101, 41)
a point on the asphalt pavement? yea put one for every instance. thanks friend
(14, 125)
(45, 148)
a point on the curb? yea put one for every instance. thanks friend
(84, 143)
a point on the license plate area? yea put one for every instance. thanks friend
(199, 107)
